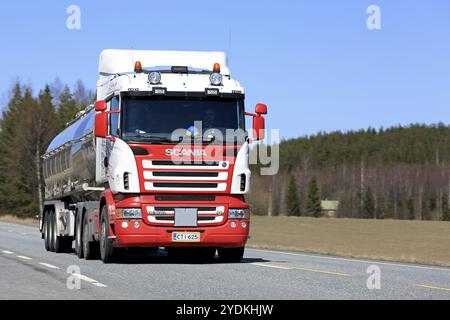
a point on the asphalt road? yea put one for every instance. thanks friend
(27, 271)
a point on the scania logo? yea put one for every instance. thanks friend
(185, 152)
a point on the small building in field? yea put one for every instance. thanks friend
(329, 208)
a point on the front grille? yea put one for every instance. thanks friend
(192, 163)
(185, 198)
(184, 185)
(166, 214)
(184, 174)
(200, 209)
(166, 176)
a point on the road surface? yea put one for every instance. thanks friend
(27, 271)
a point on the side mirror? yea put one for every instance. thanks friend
(100, 106)
(260, 109)
(259, 125)
(101, 125)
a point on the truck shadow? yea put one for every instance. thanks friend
(161, 257)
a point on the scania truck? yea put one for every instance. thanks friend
(161, 160)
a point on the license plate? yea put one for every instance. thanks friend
(186, 236)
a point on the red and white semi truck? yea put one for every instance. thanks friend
(151, 164)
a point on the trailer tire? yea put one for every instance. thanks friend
(78, 238)
(47, 237)
(89, 247)
(59, 243)
(231, 255)
(106, 245)
(52, 231)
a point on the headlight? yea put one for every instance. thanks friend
(132, 213)
(215, 78)
(154, 77)
(238, 213)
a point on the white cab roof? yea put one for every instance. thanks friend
(121, 61)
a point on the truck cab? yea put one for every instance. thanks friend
(171, 157)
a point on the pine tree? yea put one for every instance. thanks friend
(15, 164)
(292, 199)
(445, 209)
(313, 205)
(368, 205)
(67, 107)
(411, 208)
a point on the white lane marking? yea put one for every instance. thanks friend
(101, 285)
(24, 257)
(7, 252)
(433, 287)
(10, 230)
(48, 265)
(352, 260)
(270, 266)
(90, 280)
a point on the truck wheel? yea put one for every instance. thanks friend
(78, 238)
(89, 246)
(46, 228)
(59, 242)
(231, 255)
(106, 246)
(52, 231)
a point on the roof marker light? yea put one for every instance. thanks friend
(216, 68)
(138, 67)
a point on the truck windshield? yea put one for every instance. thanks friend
(150, 119)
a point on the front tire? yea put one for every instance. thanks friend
(231, 255)
(106, 246)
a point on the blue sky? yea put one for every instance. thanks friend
(314, 63)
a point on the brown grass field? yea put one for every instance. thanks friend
(14, 219)
(426, 242)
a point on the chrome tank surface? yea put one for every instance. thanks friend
(69, 162)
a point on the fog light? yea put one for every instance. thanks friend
(136, 224)
(124, 224)
(243, 224)
(233, 224)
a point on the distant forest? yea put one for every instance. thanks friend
(395, 173)
(28, 124)
(398, 173)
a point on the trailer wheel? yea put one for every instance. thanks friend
(106, 246)
(89, 247)
(231, 255)
(52, 231)
(47, 231)
(58, 241)
(78, 238)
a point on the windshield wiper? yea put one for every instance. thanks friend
(150, 138)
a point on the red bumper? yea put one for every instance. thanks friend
(155, 236)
